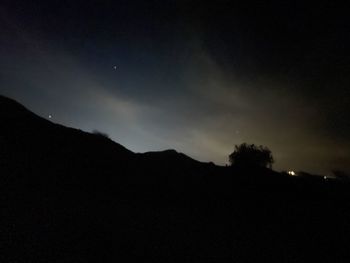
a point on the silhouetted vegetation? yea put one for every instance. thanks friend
(251, 155)
(99, 133)
(70, 196)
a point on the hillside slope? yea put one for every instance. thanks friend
(71, 196)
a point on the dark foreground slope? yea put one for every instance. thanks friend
(71, 196)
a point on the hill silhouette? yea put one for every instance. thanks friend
(73, 196)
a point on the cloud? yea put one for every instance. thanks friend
(199, 107)
(222, 111)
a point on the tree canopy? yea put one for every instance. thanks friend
(251, 155)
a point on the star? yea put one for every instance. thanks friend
(115, 67)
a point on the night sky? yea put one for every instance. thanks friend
(194, 76)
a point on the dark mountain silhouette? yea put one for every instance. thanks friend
(71, 196)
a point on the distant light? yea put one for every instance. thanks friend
(325, 177)
(292, 173)
(115, 67)
(50, 116)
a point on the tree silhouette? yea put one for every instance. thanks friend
(250, 155)
(99, 133)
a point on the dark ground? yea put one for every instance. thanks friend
(71, 196)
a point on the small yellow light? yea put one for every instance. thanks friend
(292, 173)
